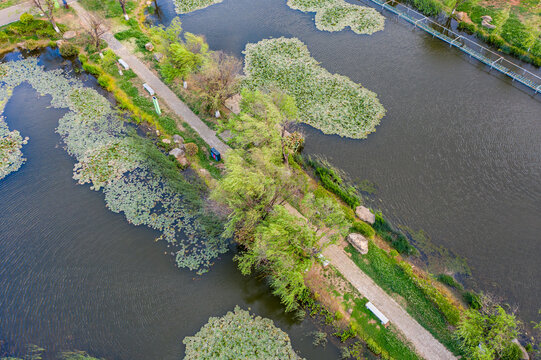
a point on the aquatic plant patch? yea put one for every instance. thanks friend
(112, 157)
(239, 335)
(11, 142)
(186, 6)
(329, 102)
(335, 15)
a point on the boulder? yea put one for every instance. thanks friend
(183, 161)
(158, 56)
(460, 15)
(487, 24)
(359, 242)
(69, 35)
(178, 139)
(365, 215)
(166, 141)
(149, 46)
(487, 18)
(177, 152)
(233, 103)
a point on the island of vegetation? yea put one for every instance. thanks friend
(239, 335)
(186, 6)
(11, 142)
(335, 15)
(329, 102)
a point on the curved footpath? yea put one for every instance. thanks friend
(423, 342)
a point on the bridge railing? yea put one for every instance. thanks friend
(490, 57)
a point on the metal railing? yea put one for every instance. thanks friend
(489, 57)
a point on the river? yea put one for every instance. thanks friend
(74, 275)
(458, 154)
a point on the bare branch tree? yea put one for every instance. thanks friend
(123, 5)
(218, 80)
(96, 29)
(46, 7)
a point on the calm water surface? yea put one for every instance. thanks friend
(458, 153)
(73, 275)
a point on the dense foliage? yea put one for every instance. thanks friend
(335, 15)
(488, 333)
(183, 57)
(137, 179)
(186, 6)
(332, 103)
(396, 238)
(239, 335)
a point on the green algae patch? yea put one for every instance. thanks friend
(239, 335)
(186, 6)
(136, 178)
(335, 15)
(329, 102)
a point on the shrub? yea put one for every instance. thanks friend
(333, 182)
(26, 18)
(449, 280)
(31, 44)
(68, 50)
(512, 352)
(191, 149)
(427, 7)
(472, 299)
(363, 228)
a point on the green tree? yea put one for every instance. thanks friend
(488, 333)
(183, 57)
(324, 211)
(283, 246)
(254, 183)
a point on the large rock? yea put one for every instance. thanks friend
(461, 15)
(359, 242)
(365, 215)
(487, 24)
(178, 139)
(177, 152)
(233, 103)
(166, 141)
(69, 35)
(149, 46)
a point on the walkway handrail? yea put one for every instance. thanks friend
(476, 50)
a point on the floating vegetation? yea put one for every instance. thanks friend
(186, 6)
(329, 102)
(239, 335)
(335, 15)
(11, 142)
(140, 182)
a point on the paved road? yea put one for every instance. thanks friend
(165, 94)
(13, 13)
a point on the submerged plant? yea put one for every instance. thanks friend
(329, 102)
(135, 180)
(335, 15)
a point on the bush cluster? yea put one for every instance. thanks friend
(396, 238)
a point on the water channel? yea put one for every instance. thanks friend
(457, 155)
(74, 275)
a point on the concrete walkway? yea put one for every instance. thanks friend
(424, 343)
(13, 13)
(165, 94)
